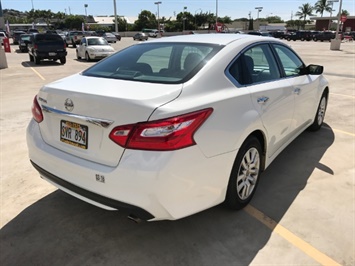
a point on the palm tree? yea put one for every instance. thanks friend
(305, 10)
(321, 6)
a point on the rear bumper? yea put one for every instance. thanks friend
(50, 55)
(130, 209)
(150, 185)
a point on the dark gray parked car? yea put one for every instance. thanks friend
(140, 36)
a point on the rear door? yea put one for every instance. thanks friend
(272, 97)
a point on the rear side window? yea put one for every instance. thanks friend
(257, 64)
(48, 37)
(169, 63)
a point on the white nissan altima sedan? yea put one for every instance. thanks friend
(167, 128)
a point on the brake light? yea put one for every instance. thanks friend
(161, 135)
(37, 111)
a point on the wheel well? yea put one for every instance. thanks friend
(261, 137)
(326, 92)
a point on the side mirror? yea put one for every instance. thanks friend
(312, 70)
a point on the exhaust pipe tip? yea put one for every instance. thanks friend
(134, 218)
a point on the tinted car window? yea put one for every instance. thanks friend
(47, 37)
(291, 63)
(257, 64)
(155, 62)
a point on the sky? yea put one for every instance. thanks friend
(169, 8)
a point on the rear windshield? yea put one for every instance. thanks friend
(168, 63)
(48, 37)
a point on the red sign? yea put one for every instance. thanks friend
(343, 18)
(7, 47)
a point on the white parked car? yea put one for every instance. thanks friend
(167, 128)
(93, 47)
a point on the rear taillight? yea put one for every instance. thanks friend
(37, 111)
(161, 135)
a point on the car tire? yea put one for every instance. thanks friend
(288, 39)
(77, 55)
(245, 174)
(63, 60)
(31, 58)
(37, 60)
(87, 57)
(320, 114)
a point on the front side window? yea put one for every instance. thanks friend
(257, 64)
(291, 63)
(169, 63)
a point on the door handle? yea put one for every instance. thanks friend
(297, 91)
(263, 99)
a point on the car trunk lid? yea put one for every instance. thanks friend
(80, 112)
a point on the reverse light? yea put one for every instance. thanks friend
(161, 135)
(36, 111)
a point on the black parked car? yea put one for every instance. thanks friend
(23, 42)
(47, 46)
(299, 35)
(16, 36)
(324, 36)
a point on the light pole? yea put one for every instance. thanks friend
(32, 5)
(86, 15)
(216, 13)
(115, 12)
(183, 20)
(195, 16)
(259, 8)
(158, 3)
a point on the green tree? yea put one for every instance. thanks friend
(74, 22)
(304, 11)
(146, 19)
(345, 12)
(121, 23)
(274, 19)
(321, 6)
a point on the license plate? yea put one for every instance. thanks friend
(52, 54)
(74, 134)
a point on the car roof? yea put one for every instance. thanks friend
(213, 38)
(93, 37)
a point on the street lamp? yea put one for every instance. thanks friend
(158, 3)
(259, 10)
(195, 16)
(32, 5)
(183, 20)
(86, 17)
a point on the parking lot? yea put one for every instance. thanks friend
(302, 214)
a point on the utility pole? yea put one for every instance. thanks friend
(158, 3)
(115, 12)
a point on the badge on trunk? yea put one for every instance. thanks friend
(69, 105)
